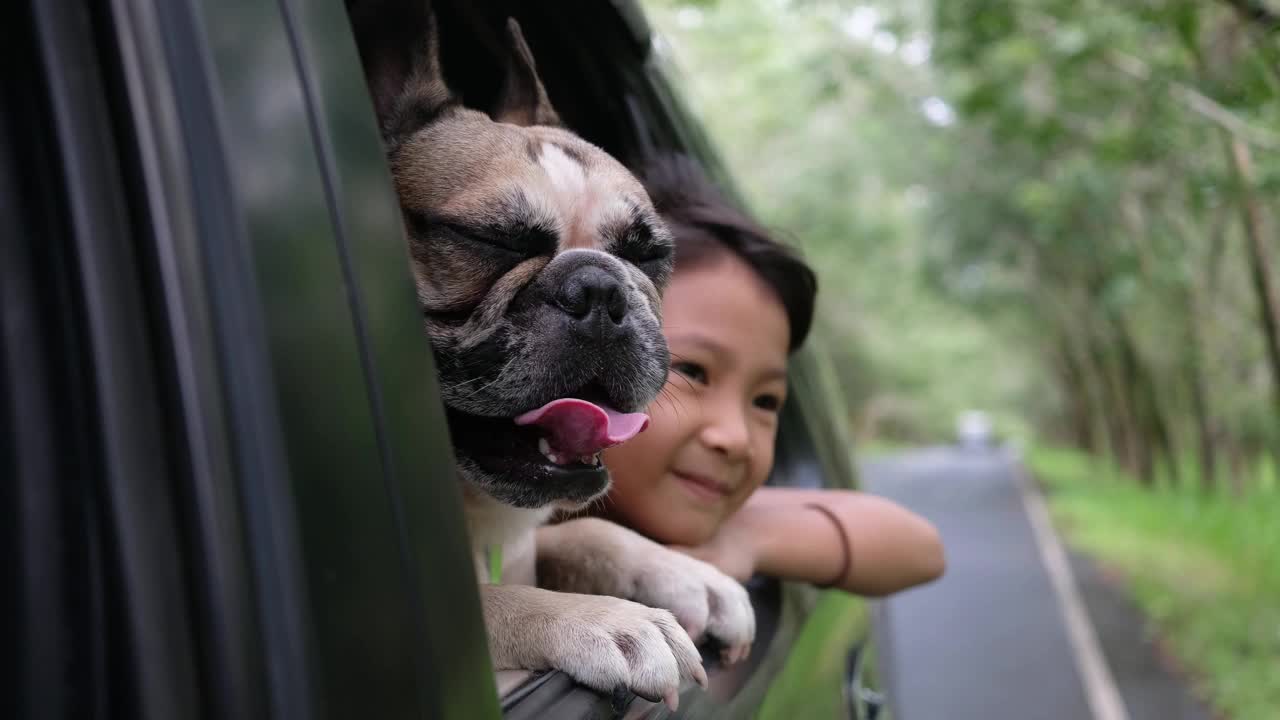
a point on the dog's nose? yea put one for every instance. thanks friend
(594, 298)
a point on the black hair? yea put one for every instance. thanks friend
(706, 225)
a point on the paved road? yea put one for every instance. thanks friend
(988, 641)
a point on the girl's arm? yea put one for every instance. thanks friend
(776, 533)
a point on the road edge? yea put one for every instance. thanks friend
(1100, 687)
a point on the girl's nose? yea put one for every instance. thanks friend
(726, 431)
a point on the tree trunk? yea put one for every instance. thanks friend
(1260, 269)
(1077, 396)
(1257, 13)
(1065, 306)
(1121, 419)
(1147, 428)
(1207, 432)
(1200, 411)
(1085, 385)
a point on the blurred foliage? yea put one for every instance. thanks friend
(826, 134)
(1061, 211)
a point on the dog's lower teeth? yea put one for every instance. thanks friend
(544, 447)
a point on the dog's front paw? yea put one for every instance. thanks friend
(590, 555)
(704, 600)
(617, 642)
(603, 642)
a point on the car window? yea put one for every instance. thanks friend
(103, 618)
(52, 560)
(248, 506)
(595, 63)
(395, 614)
(251, 491)
(400, 376)
(814, 445)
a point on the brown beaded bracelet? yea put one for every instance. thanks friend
(844, 545)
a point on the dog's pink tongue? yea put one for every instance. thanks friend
(577, 427)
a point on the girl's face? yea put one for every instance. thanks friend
(710, 441)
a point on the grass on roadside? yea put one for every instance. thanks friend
(1205, 568)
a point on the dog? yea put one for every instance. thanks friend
(539, 263)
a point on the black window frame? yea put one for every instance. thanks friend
(200, 579)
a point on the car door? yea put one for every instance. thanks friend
(232, 489)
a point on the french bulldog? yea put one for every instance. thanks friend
(539, 263)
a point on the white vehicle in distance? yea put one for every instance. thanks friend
(974, 431)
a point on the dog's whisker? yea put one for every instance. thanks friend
(674, 403)
(497, 378)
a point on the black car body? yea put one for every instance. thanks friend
(228, 482)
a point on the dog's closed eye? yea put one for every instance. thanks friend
(517, 237)
(525, 239)
(637, 243)
(649, 254)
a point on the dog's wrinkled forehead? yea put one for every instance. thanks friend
(558, 179)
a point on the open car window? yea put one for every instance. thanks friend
(596, 63)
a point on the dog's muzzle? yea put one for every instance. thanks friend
(595, 301)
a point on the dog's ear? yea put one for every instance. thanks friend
(400, 50)
(523, 100)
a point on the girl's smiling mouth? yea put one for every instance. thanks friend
(703, 487)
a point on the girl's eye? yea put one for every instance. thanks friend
(693, 371)
(772, 403)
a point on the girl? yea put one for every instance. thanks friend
(737, 305)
